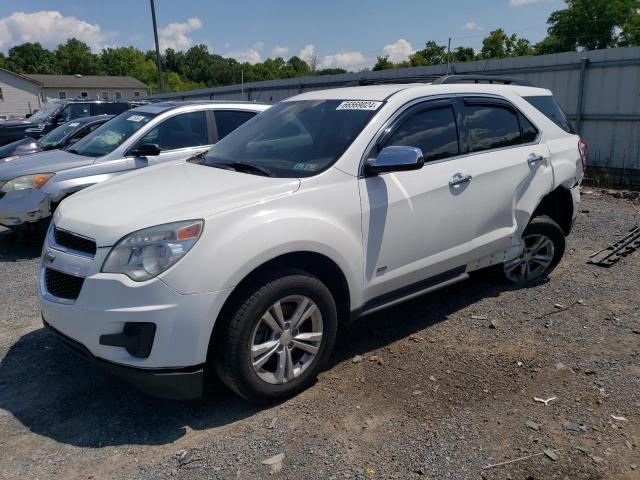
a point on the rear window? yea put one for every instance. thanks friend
(548, 105)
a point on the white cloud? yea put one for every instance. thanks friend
(519, 3)
(278, 51)
(249, 55)
(135, 38)
(347, 59)
(472, 26)
(308, 52)
(50, 28)
(175, 35)
(398, 51)
(258, 46)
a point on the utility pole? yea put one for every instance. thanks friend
(155, 35)
(448, 54)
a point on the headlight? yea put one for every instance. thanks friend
(26, 182)
(147, 253)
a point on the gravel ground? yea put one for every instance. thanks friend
(440, 387)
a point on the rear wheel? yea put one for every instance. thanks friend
(544, 245)
(279, 337)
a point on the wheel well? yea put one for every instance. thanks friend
(559, 206)
(322, 267)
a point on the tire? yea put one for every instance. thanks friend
(550, 251)
(541, 226)
(288, 368)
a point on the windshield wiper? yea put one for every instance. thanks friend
(252, 166)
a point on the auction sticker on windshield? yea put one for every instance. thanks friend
(359, 105)
(135, 118)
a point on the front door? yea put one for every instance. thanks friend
(418, 224)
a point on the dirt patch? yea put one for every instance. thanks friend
(451, 388)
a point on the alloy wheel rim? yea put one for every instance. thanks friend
(286, 339)
(533, 262)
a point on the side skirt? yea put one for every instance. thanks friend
(411, 291)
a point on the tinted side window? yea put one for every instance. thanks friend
(76, 110)
(529, 131)
(180, 131)
(491, 126)
(433, 131)
(548, 105)
(228, 121)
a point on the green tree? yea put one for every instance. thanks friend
(591, 24)
(630, 30)
(383, 63)
(500, 45)
(75, 57)
(198, 64)
(31, 58)
(463, 54)
(431, 54)
(3, 60)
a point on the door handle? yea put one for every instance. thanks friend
(534, 158)
(459, 179)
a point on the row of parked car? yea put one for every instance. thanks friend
(256, 233)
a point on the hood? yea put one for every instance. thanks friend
(24, 146)
(15, 123)
(43, 162)
(163, 194)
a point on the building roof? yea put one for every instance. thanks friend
(29, 79)
(86, 81)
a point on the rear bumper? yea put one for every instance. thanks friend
(575, 198)
(23, 206)
(177, 384)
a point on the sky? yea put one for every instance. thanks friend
(340, 33)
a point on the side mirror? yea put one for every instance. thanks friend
(59, 119)
(395, 159)
(145, 150)
(28, 115)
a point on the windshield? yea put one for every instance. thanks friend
(110, 136)
(46, 111)
(57, 135)
(294, 139)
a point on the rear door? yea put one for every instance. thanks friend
(507, 163)
(226, 121)
(179, 137)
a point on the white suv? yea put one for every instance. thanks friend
(333, 204)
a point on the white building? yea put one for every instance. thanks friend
(22, 94)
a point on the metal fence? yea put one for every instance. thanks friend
(599, 90)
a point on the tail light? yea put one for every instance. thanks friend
(583, 149)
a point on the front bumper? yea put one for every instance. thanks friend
(176, 384)
(23, 206)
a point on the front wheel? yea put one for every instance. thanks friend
(279, 337)
(544, 245)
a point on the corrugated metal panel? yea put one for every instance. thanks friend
(611, 91)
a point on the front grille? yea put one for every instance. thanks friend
(62, 285)
(74, 242)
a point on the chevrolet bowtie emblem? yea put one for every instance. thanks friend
(49, 256)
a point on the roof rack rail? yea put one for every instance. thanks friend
(461, 78)
(394, 80)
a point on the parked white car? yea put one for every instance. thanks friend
(32, 187)
(330, 205)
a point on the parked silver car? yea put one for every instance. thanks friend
(31, 187)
